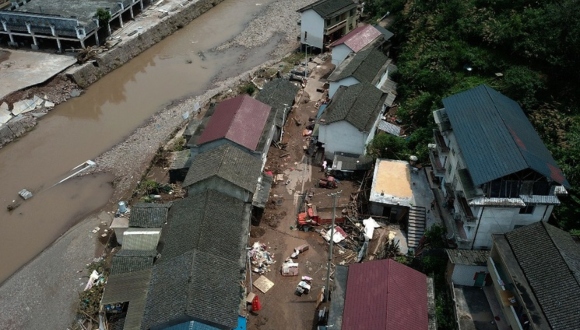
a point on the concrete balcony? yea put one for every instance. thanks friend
(331, 29)
(442, 147)
(438, 168)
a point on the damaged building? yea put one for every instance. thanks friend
(46, 23)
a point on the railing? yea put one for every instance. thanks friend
(440, 141)
(335, 27)
(436, 162)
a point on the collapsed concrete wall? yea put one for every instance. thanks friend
(15, 128)
(86, 74)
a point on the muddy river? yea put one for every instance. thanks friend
(84, 127)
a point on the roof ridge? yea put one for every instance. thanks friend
(505, 124)
(547, 229)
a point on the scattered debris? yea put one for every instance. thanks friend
(25, 194)
(298, 250)
(289, 268)
(260, 258)
(263, 284)
(338, 236)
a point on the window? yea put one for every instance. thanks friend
(528, 209)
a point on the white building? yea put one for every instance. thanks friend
(325, 21)
(350, 121)
(356, 40)
(495, 172)
(369, 65)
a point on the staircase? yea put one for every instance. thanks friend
(416, 229)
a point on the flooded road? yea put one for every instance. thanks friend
(109, 110)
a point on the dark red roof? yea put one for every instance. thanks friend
(240, 119)
(385, 294)
(358, 38)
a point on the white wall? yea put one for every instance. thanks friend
(373, 131)
(339, 53)
(465, 275)
(312, 24)
(500, 220)
(348, 81)
(384, 77)
(341, 136)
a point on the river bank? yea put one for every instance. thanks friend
(29, 296)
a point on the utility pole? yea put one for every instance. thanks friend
(306, 61)
(327, 287)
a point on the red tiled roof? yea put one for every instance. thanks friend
(240, 119)
(385, 294)
(358, 38)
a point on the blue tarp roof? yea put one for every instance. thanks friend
(496, 138)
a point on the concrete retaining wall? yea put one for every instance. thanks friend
(86, 74)
(15, 128)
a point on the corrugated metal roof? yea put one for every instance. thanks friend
(550, 260)
(389, 128)
(329, 8)
(540, 199)
(240, 119)
(468, 257)
(228, 163)
(359, 105)
(385, 294)
(262, 193)
(141, 239)
(358, 38)
(560, 191)
(148, 215)
(496, 138)
(365, 66)
(496, 201)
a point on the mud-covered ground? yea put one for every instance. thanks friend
(60, 267)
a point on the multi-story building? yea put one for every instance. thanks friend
(495, 172)
(325, 21)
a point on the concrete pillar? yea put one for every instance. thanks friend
(58, 44)
(131, 11)
(109, 28)
(121, 20)
(34, 42)
(141, 3)
(82, 43)
(11, 39)
(97, 37)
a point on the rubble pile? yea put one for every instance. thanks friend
(260, 258)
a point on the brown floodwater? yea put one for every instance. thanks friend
(109, 110)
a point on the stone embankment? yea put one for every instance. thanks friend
(131, 46)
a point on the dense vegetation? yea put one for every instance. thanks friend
(527, 50)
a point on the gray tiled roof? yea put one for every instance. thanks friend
(194, 286)
(496, 138)
(329, 8)
(127, 261)
(148, 215)
(366, 66)
(276, 93)
(226, 162)
(550, 260)
(210, 222)
(358, 104)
